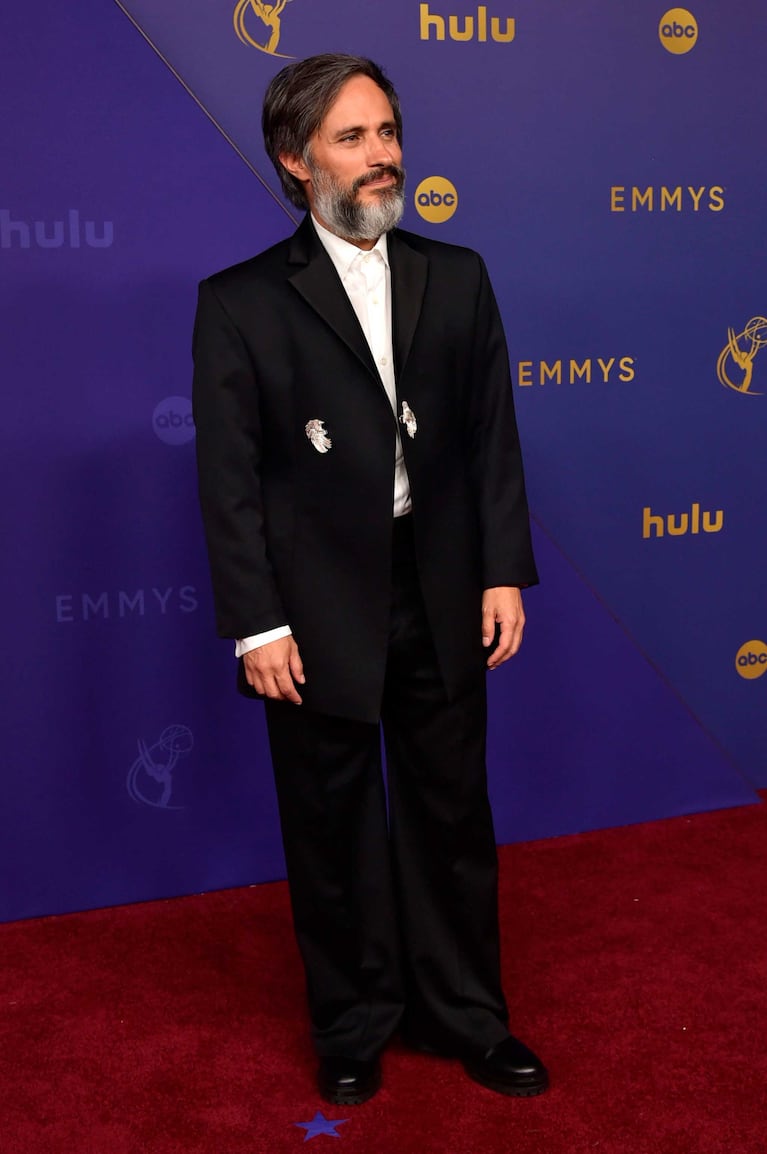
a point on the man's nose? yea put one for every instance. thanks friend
(380, 152)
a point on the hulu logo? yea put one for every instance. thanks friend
(654, 525)
(69, 233)
(463, 28)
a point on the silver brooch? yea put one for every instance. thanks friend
(408, 419)
(317, 434)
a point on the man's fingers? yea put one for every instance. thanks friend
(287, 690)
(296, 666)
(488, 625)
(253, 674)
(277, 685)
(271, 668)
(508, 644)
(503, 648)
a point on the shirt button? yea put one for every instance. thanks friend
(375, 300)
(384, 361)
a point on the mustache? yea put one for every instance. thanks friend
(393, 170)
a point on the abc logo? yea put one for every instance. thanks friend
(751, 660)
(678, 31)
(436, 199)
(172, 420)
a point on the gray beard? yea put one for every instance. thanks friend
(351, 218)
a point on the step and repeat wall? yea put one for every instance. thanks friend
(607, 160)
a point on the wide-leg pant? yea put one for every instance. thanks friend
(396, 920)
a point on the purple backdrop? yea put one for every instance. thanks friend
(132, 768)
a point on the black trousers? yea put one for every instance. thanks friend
(396, 920)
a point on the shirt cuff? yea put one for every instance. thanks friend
(245, 644)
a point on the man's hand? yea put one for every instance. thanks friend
(504, 605)
(271, 669)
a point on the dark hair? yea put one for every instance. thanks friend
(299, 98)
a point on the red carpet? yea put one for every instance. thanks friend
(635, 961)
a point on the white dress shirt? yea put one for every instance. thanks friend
(366, 277)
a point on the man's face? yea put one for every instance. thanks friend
(352, 173)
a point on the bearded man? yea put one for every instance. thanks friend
(367, 526)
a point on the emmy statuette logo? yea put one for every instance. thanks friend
(260, 25)
(150, 778)
(735, 367)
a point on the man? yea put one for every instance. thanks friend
(363, 499)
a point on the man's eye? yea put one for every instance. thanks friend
(351, 136)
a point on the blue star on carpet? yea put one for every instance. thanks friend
(321, 1125)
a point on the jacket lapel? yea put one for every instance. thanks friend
(316, 279)
(409, 270)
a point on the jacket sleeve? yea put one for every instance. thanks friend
(495, 456)
(226, 415)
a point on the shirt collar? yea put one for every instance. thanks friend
(342, 252)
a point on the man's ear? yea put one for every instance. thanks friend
(295, 165)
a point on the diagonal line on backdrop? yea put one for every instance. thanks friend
(209, 115)
(659, 672)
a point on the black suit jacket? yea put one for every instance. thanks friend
(304, 538)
